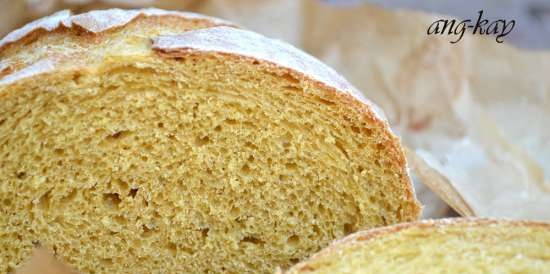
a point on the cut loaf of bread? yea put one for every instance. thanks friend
(440, 246)
(160, 142)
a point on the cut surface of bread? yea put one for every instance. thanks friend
(186, 151)
(441, 246)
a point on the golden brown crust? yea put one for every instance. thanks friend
(367, 235)
(19, 57)
(95, 22)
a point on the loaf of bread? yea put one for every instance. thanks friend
(441, 246)
(147, 141)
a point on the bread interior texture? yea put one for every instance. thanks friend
(204, 163)
(493, 248)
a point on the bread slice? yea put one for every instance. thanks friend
(139, 145)
(441, 246)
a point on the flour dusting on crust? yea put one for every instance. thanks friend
(97, 21)
(42, 66)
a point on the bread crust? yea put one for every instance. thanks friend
(95, 22)
(367, 235)
(94, 25)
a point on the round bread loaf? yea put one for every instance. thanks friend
(147, 141)
(441, 246)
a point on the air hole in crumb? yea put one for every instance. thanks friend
(172, 248)
(291, 88)
(291, 165)
(380, 146)
(384, 221)
(294, 260)
(2, 120)
(340, 146)
(288, 137)
(231, 121)
(21, 175)
(122, 185)
(325, 101)
(187, 250)
(250, 158)
(246, 169)
(120, 220)
(289, 77)
(293, 240)
(316, 230)
(322, 210)
(36, 243)
(252, 240)
(44, 200)
(218, 128)
(69, 197)
(111, 199)
(249, 124)
(76, 78)
(146, 231)
(348, 228)
(201, 141)
(255, 62)
(118, 135)
(399, 212)
(235, 212)
(133, 192)
(195, 110)
(356, 129)
(160, 125)
(59, 151)
(250, 145)
(204, 232)
(147, 146)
